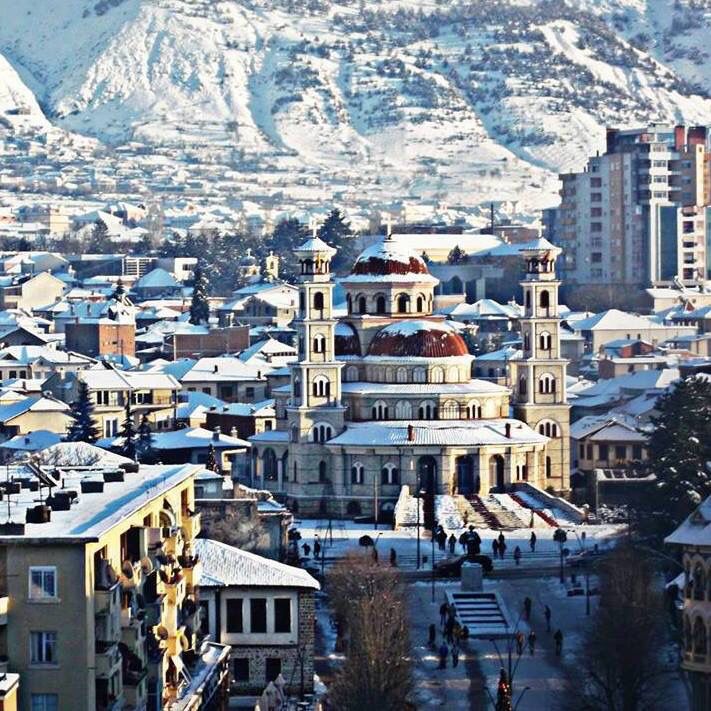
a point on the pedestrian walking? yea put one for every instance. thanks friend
(455, 655)
(449, 629)
(317, 547)
(463, 538)
(475, 538)
(495, 548)
(443, 653)
(502, 550)
(452, 544)
(307, 550)
(527, 608)
(558, 637)
(547, 613)
(502, 539)
(532, 642)
(517, 555)
(441, 538)
(532, 541)
(443, 614)
(432, 636)
(393, 558)
(520, 640)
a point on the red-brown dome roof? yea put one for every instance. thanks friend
(418, 338)
(388, 257)
(347, 341)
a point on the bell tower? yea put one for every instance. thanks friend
(314, 409)
(539, 376)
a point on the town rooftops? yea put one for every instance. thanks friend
(607, 428)
(224, 566)
(186, 438)
(90, 515)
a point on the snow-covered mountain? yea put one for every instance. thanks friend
(449, 102)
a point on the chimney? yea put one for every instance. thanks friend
(508, 430)
(410, 433)
(216, 434)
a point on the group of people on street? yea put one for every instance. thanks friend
(453, 633)
(547, 613)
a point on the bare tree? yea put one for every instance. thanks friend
(621, 665)
(368, 604)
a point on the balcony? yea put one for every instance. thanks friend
(108, 659)
(131, 575)
(133, 634)
(190, 525)
(106, 599)
(135, 692)
(4, 605)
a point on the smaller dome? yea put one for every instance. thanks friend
(389, 257)
(418, 338)
(346, 339)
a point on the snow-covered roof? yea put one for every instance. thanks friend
(316, 245)
(228, 566)
(614, 320)
(391, 261)
(12, 410)
(157, 279)
(418, 338)
(78, 454)
(265, 408)
(696, 529)
(192, 437)
(103, 378)
(222, 369)
(606, 428)
(32, 441)
(487, 309)
(92, 515)
(438, 433)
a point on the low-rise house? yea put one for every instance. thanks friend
(265, 611)
(150, 394)
(32, 413)
(29, 443)
(264, 303)
(694, 538)
(39, 362)
(205, 342)
(156, 284)
(227, 378)
(614, 366)
(607, 442)
(100, 589)
(613, 325)
(245, 419)
(28, 291)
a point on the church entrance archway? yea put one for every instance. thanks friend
(467, 481)
(496, 472)
(427, 475)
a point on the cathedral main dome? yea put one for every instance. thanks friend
(388, 257)
(418, 338)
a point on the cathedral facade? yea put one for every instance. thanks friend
(384, 397)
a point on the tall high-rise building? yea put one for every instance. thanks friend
(639, 213)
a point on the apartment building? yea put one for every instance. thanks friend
(638, 214)
(99, 591)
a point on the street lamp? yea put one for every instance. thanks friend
(560, 536)
(581, 544)
(418, 499)
(434, 527)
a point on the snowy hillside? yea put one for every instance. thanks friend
(443, 102)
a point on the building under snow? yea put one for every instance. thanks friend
(384, 397)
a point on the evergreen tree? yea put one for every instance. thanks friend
(337, 232)
(83, 427)
(679, 454)
(99, 243)
(200, 307)
(211, 463)
(457, 256)
(144, 447)
(128, 432)
(287, 236)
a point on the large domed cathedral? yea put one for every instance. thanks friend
(384, 397)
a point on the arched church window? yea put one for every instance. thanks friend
(380, 304)
(403, 303)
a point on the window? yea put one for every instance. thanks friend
(226, 392)
(282, 615)
(357, 472)
(319, 343)
(102, 397)
(249, 393)
(620, 451)
(546, 384)
(43, 583)
(361, 305)
(44, 702)
(582, 451)
(596, 257)
(637, 451)
(403, 304)
(43, 647)
(318, 301)
(379, 410)
(110, 427)
(389, 475)
(544, 341)
(234, 623)
(380, 305)
(272, 669)
(240, 669)
(549, 467)
(258, 615)
(590, 451)
(602, 452)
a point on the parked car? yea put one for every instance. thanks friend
(452, 567)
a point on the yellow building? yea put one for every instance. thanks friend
(99, 591)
